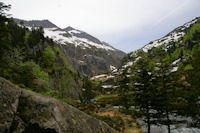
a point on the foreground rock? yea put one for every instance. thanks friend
(26, 111)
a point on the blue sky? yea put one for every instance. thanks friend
(125, 24)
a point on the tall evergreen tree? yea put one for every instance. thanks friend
(166, 85)
(4, 32)
(143, 89)
(124, 92)
(193, 97)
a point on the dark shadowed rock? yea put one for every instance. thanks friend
(36, 23)
(9, 98)
(26, 111)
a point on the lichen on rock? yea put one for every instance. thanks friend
(27, 111)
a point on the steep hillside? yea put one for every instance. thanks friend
(169, 43)
(84, 52)
(32, 61)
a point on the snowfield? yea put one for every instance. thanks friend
(172, 37)
(62, 37)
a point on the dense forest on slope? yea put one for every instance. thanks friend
(32, 61)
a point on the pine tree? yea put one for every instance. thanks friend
(165, 86)
(143, 89)
(87, 93)
(4, 32)
(193, 95)
(124, 92)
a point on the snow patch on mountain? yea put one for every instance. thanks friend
(174, 69)
(109, 86)
(176, 61)
(98, 76)
(62, 37)
(171, 37)
(130, 63)
(187, 25)
(74, 32)
(56, 35)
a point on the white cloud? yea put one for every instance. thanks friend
(94, 15)
(102, 17)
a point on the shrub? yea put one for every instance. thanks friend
(33, 70)
(48, 57)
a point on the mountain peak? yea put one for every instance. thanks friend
(36, 23)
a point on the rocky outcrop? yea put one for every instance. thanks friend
(9, 100)
(89, 61)
(23, 111)
(35, 23)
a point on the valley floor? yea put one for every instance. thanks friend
(103, 109)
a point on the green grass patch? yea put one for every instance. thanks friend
(106, 96)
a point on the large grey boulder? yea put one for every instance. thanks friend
(28, 112)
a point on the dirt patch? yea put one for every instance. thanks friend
(129, 126)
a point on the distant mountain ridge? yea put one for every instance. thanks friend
(36, 23)
(84, 52)
(61, 35)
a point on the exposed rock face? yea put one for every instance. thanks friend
(9, 99)
(23, 111)
(36, 23)
(89, 61)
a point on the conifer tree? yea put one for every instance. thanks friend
(193, 96)
(124, 92)
(164, 96)
(143, 89)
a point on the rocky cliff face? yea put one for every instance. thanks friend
(84, 52)
(36, 23)
(26, 111)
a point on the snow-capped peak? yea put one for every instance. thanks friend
(73, 36)
(67, 35)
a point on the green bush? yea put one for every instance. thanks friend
(188, 67)
(48, 57)
(192, 35)
(62, 59)
(34, 69)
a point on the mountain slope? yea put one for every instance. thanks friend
(168, 43)
(171, 43)
(84, 52)
(174, 36)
